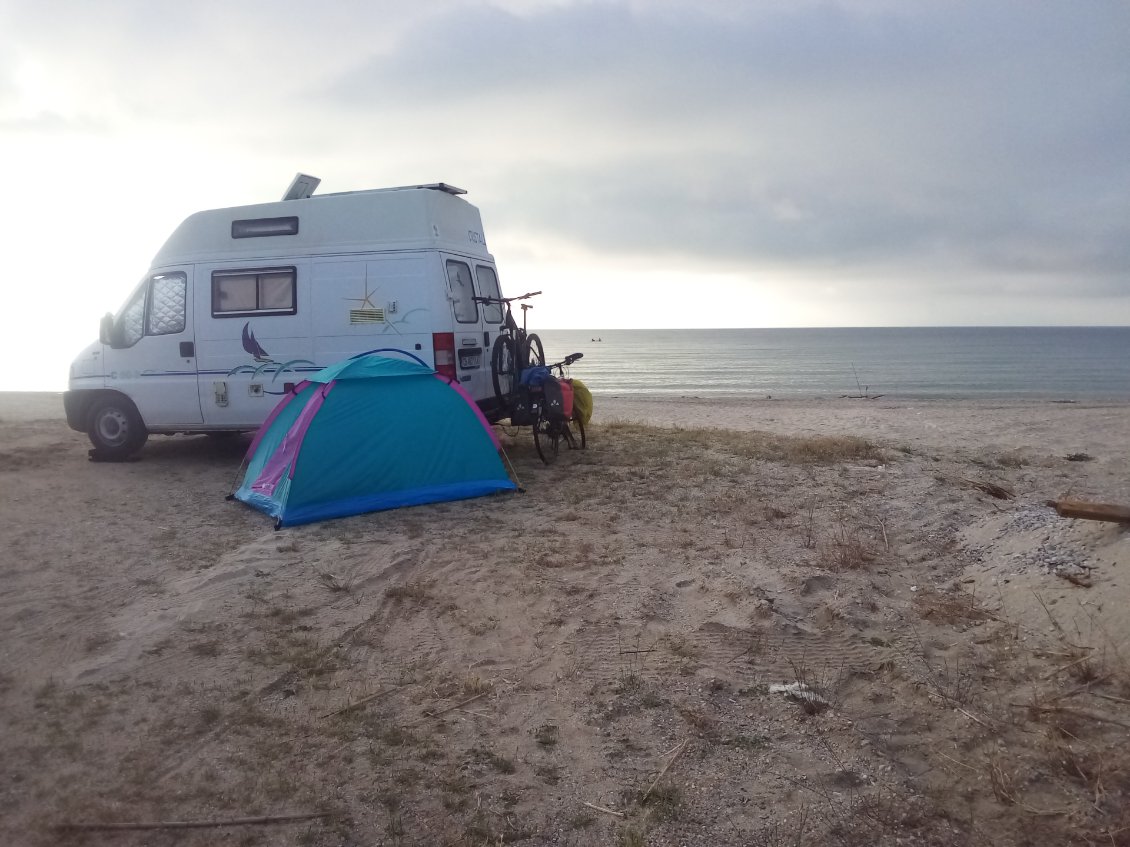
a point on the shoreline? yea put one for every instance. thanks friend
(1004, 423)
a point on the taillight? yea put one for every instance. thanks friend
(443, 347)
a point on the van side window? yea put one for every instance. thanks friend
(488, 287)
(462, 292)
(166, 304)
(270, 291)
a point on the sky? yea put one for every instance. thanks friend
(665, 163)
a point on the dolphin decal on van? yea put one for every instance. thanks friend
(252, 346)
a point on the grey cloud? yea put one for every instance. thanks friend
(985, 138)
(988, 133)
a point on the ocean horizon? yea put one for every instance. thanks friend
(1040, 362)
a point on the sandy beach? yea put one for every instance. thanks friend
(773, 622)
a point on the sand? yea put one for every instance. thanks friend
(523, 668)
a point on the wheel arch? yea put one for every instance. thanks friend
(86, 401)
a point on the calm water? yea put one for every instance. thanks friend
(922, 362)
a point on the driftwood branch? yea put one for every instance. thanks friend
(1083, 713)
(990, 488)
(1091, 511)
(208, 824)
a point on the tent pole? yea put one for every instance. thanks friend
(513, 473)
(235, 482)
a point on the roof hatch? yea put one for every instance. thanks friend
(301, 187)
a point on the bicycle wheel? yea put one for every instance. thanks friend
(575, 434)
(532, 352)
(547, 439)
(504, 369)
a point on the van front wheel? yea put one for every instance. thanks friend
(116, 430)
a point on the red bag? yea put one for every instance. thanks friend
(567, 397)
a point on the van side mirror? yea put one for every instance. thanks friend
(106, 329)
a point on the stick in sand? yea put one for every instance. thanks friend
(678, 752)
(259, 821)
(602, 809)
(350, 707)
(458, 705)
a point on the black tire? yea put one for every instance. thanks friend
(547, 440)
(532, 352)
(115, 429)
(504, 370)
(575, 434)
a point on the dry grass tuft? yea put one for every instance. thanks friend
(419, 591)
(948, 608)
(845, 550)
(828, 450)
(660, 442)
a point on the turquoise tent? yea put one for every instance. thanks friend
(367, 434)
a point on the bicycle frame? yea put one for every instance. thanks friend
(549, 432)
(514, 349)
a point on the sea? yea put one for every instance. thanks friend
(1055, 363)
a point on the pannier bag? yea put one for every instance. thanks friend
(534, 376)
(567, 396)
(553, 401)
(582, 401)
(524, 412)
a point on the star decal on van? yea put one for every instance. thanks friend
(365, 302)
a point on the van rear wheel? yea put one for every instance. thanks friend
(116, 430)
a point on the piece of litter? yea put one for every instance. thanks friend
(804, 695)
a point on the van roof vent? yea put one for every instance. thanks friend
(434, 186)
(293, 194)
(443, 186)
(301, 187)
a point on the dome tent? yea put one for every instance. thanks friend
(367, 434)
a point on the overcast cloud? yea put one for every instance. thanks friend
(932, 162)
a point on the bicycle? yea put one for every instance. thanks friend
(549, 432)
(514, 350)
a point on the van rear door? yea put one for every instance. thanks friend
(486, 280)
(471, 354)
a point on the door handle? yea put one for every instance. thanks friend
(187, 349)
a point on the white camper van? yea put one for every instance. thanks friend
(240, 304)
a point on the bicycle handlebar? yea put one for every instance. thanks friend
(567, 361)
